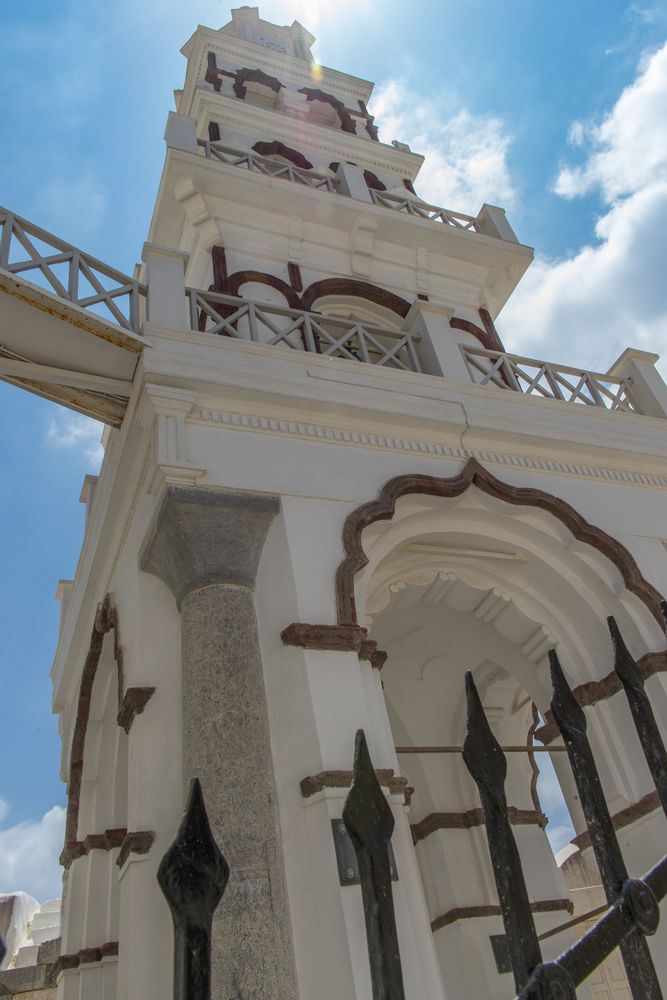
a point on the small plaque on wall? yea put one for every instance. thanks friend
(348, 869)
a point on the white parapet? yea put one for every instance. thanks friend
(645, 387)
(165, 277)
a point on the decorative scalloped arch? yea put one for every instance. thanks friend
(357, 289)
(474, 474)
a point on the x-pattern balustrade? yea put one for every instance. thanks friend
(421, 209)
(550, 381)
(63, 270)
(266, 165)
(328, 336)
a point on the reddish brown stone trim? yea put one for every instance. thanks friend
(359, 289)
(594, 691)
(213, 132)
(244, 76)
(138, 842)
(131, 703)
(276, 148)
(220, 274)
(472, 817)
(338, 638)
(84, 957)
(408, 185)
(342, 638)
(373, 181)
(230, 285)
(489, 910)
(490, 328)
(343, 779)
(474, 474)
(422, 297)
(106, 841)
(239, 278)
(488, 337)
(344, 116)
(369, 651)
(371, 127)
(212, 72)
(646, 805)
(295, 279)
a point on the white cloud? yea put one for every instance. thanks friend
(73, 431)
(586, 308)
(466, 154)
(29, 854)
(628, 149)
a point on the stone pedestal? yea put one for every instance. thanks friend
(206, 546)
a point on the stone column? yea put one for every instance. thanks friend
(206, 545)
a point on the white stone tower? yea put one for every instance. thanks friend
(327, 492)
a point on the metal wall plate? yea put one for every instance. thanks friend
(346, 859)
(501, 952)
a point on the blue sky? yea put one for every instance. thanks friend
(556, 111)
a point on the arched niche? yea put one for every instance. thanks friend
(470, 573)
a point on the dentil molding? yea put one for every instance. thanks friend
(386, 442)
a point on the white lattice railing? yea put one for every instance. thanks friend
(63, 270)
(423, 210)
(539, 378)
(328, 336)
(265, 165)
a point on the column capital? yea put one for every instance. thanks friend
(206, 536)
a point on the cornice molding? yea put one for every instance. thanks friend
(387, 442)
(333, 145)
(232, 48)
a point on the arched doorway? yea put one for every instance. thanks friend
(469, 578)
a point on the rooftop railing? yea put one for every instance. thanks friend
(421, 209)
(328, 336)
(266, 165)
(63, 270)
(311, 178)
(550, 381)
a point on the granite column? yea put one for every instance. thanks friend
(205, 546)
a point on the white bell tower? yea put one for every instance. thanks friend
(327, 491)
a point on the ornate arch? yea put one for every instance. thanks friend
(239, 278)
(277, 148)
(131, 702)
(358, 289)
(474, 474)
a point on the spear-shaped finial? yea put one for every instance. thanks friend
(193, 875)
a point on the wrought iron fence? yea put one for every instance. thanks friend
(551, 381)
(414, 206)
(328, 336)
(193, 873)
(265, 165)
(63, 270)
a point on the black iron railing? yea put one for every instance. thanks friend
(193, 873)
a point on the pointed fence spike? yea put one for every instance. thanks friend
(624, 665)
(486, 762)
(571, 720)
(642, 713)
(369, 821)
(367, 813)
(567, 711)
(482, 753)
(193, 875)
